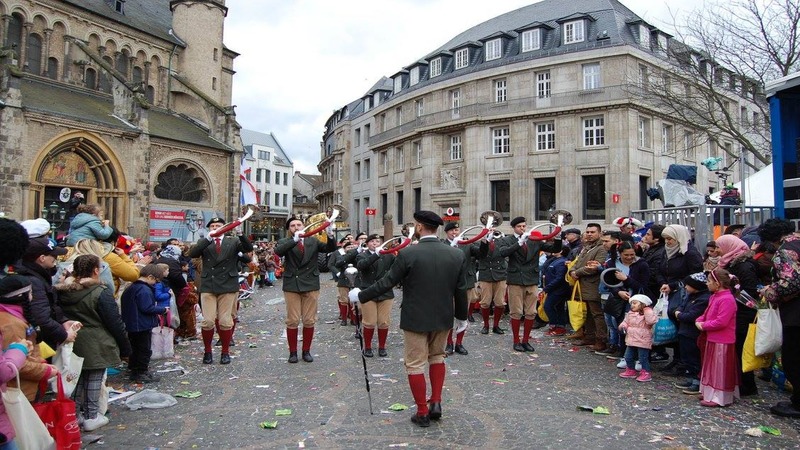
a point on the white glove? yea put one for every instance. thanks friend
(360, 248)
(455, 242)
(459, 326)
(298, 235)
(522, 240)
(353, 295)
(331, 229)
(490, 236)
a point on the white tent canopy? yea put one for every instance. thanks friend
(758, 188)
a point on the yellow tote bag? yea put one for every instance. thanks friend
(540, 310)
(750, 361)
(577, 308)
(570, 264)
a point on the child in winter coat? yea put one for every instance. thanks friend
(719, 375)
(88, 224)
(638, 329)
(13, 357)
(140, 312)
(162, 294)
(686, 313)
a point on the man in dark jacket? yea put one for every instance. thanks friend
(376, 312)
(220, 286)
(492, 274)
(38, 265)
(433, 276)
(471, 252)
(301, 283)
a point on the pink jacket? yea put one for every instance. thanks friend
(16, 358)
(639, 328)
(719, 319)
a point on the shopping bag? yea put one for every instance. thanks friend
(571, 281)
(769, 331)
(661, 304)
(540, 309)
(162, 344)
(750, 361)
(173, 318)
(69, 365)
(576, 307)
(31, 432)
(102, 402)
(664, 331)
(60, 419)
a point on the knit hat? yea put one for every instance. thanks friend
(36, 227)
(171, 251)
(696, 280)
(641, 298)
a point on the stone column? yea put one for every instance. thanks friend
(45, 62)
(23, 45)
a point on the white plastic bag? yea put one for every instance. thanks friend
(769, 331)
(150, 399)
(31, 432)
(662, 305)
(173, 317)
(162, 343)
(69, 365)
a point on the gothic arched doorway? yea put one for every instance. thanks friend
(77, 162)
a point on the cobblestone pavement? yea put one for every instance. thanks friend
(494, 398)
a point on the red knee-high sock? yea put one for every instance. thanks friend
(515, 329)
(485, 315)
(308, 336)
(498, 313)
(436, 373)
(225, 336)
(450, 337)
(418, 389)
(208, 336)
(352, 314)
(368, 333)
(383, 333)
(343, 311)
(476, 306)
(460, 337)
(216, 325)
(526, 330)
(291, 339)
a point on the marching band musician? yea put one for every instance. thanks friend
(376, 311)
(471, 252)
(219, 290)
(301, 283)
(343, 257)
(523, 281)
(492, 273)
(434, 291)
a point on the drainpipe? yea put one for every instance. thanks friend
(169, 72)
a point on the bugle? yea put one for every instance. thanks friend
(318, 222)
(559, 217)
(489, 219)
(403, 242)
(232, 225)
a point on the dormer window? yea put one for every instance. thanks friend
(436, 67)
(494, 49)
(414, 76)
(119, 6)
(398, 84)
(462, 58)
(574, 32)
(531, 40)
(644, 36)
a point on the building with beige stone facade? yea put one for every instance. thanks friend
(539, 108)
(126, 101)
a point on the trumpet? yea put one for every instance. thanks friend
(559, 218)
(489, 219)
(234, 224)
(402, 240)
(318, 222)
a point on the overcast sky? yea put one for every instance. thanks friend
(302, 59)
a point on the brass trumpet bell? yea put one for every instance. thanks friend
(497, 219)
(318, 222)
(561, 217)
(397, 243)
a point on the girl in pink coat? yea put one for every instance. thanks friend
(719, 377)
(638, 329)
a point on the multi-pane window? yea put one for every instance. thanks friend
(384, 163)
(594, 132)
(414, 76)
(399, 207)
(545, 197)
(258, 175)
(455, 101)
(358, 137)
(420, 107)
(436, 67)
(531, 40)
(494, 49)
(594, 197)
(543, 84)
(399, 159)
(285, 199)
(455, 147)
(398, 84)
(462, 58)
(367, 169)
(667, 140)
(644, 132)
(573, 32)
(591, 76)
(266, 198)
(417, 153)
(263, 154)
(286, 178)
(277, 178)
(546, 136)
(339, 170)
(643, 76)
(500, 91)
(688, 145)
(398, 116)
(501, 141)
(501, 198)
(267, 176)
(277, 199)
(357, 171)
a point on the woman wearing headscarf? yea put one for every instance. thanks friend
(737, 258)
(682, 259)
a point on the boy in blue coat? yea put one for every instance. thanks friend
(140, 314)
(693, 306)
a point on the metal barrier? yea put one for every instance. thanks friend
(702, 219)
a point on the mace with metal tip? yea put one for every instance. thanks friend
(350, 273)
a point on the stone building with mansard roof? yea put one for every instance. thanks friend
(126, 101)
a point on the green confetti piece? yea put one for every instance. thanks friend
(398, 407)
(500, 380)
(188, 394)
(770, 430)
(269, 424)
(601, 410)
(283, 412)
(252, 346)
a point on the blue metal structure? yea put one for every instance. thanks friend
(784, 103)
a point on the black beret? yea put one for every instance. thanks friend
(450, 226)
(517, 220)
(429, 218)
(292, 219)
(215, 220)
(572, 230)
(372, 236)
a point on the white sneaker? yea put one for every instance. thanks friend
(638, 366)
(93, 424)
(80, 419)
(623, 365)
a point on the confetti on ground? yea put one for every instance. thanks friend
(188, 394)
(269, 424)
(283, 412)
(263, 386)
(398, 407)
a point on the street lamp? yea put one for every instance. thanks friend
(55, 215)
